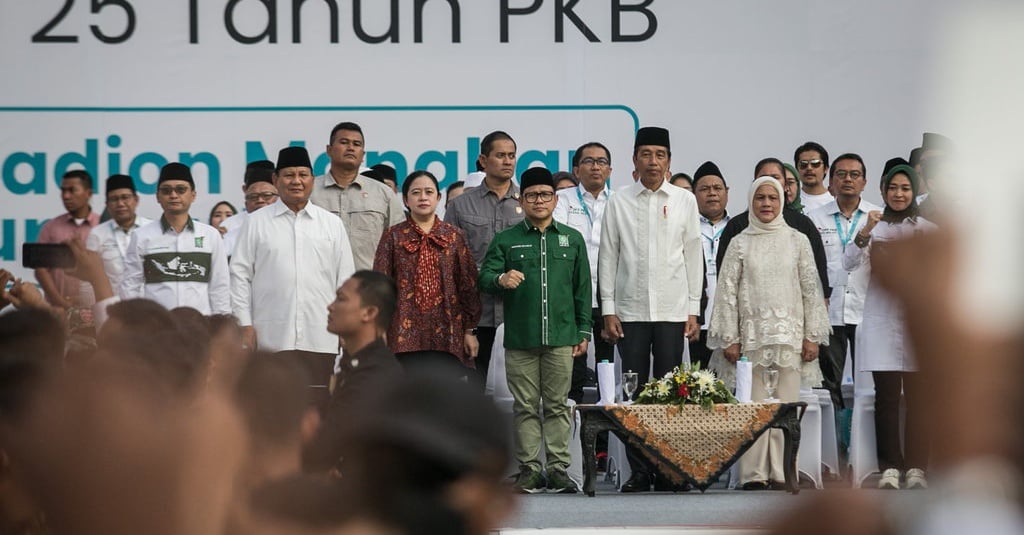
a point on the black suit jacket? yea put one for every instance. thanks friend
(363, 374)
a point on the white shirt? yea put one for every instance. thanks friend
(286, 269)
(846, 306)
(811, 202)
(650, 260)
(187, 269)
(882, 341)
(233, 226)
(581, 210)
(710, 234)
(111, 242)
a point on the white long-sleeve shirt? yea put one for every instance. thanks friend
(186, 269)
(111, 242)
(649, 264)
(846, 305)
(582, 211)
(285, 270)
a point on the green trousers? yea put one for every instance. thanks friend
(539, 380)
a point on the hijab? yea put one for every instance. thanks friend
(756, 226)
(796, 204)
(892, 216)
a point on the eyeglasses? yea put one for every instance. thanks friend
(708, 189)
(599, 162)
(167, 190)
(852, 174)
(120, 198)
(804, 164)
(539, 196)
(261, 196)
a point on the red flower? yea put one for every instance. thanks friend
(683, 391)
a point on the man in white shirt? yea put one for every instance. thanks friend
(712, 200)
(110, 239)
(838, 222)
(582, 208)
(366, 206)
(258, 188)
(176, 261)
(649, 270)
(811, 160)
(290, 259)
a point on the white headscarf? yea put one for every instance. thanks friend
(756, 226)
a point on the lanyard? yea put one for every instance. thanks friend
(579, 195)
(711, 242)
(845, 240)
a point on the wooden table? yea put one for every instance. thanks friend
(689, 443)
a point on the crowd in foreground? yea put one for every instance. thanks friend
(159, 312)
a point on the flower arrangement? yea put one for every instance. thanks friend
(686, 385)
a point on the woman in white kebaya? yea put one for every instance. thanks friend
(769, 307)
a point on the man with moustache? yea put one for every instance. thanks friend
(582, 208)
(290, 258)
(481, 212)
(110, 239)
(811, 159)
(712, 199)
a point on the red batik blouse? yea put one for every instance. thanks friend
(437, 296)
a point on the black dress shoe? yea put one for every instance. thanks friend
(663, 484)
(755, 485)
(780, 485)
(638, 482)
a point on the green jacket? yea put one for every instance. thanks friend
(552, 306)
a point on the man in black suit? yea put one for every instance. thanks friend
(360, 314)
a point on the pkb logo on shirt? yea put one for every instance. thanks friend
(563, 240)
(199, 242)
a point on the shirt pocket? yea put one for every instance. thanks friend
(368, 222)
(524, 259)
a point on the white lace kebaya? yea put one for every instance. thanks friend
(769, 298)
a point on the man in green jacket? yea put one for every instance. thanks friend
(540, 269)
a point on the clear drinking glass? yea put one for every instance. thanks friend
(770, 375)
(629, 384)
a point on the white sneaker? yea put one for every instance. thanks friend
(890, 479)
(916, 479)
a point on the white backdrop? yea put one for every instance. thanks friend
(734, 80)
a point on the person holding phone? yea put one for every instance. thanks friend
(63, 290)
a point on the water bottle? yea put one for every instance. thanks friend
(744, 379)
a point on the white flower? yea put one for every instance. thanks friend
(704, 378)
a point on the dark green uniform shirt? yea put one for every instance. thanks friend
(552, 306)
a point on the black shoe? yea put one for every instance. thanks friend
(663, 484)
(638, 482)
(781, 485)
(755, 485)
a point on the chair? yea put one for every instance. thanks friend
(497, 384)
(829, 438)
(863, 446)
(809, 454)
